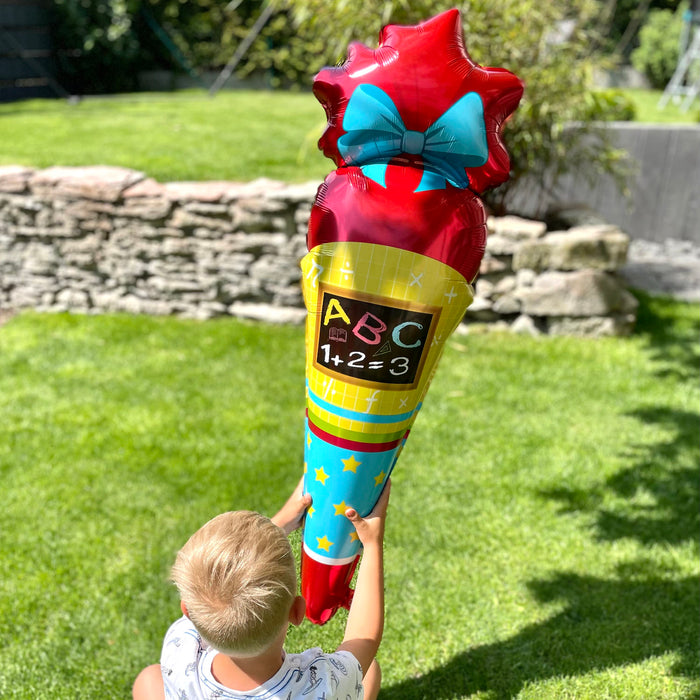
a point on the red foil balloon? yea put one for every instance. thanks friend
(396, 237)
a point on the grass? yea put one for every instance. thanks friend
(237, 135)
(647, 107)
(543, 535)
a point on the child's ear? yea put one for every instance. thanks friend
(183, 607)
(297, 611)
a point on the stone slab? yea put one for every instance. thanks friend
(584, 247)
(579, 293)
(14, 178)
(99, 182)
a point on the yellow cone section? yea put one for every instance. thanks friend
(378, 320)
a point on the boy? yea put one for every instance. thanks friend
(237, 582)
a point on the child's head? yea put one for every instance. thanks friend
(237, 578)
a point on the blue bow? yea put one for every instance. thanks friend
(376, 134)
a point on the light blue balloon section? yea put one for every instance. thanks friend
(338, 478)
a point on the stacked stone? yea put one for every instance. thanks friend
(103, 239)
(558, 282)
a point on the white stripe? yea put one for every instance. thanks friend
(328, 560)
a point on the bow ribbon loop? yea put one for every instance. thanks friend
(375, 133)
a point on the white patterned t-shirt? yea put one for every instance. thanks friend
(312, 675)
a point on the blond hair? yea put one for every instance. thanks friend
(237, 577)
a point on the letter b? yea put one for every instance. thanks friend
(370, 333)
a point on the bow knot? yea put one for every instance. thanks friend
(413, 142)
(375, 133)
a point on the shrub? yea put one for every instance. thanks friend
(103, 44)
(611, 105)
(659, 43)
(97, 48)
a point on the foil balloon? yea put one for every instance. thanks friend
(396, 236)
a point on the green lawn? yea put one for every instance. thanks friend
(543, 533)
(647, 105)
(237, 135)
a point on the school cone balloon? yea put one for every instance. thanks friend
(396, 237)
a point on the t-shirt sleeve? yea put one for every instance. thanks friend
(182, 648)
(346, 676)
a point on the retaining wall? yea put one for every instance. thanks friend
(664, 200)
(106, 239)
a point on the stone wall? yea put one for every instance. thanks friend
(556, 282)
(105, 239)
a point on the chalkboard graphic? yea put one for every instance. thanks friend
(373, 340)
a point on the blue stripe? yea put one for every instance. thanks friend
(356, 415)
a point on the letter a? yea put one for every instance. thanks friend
(374, 331)
(334, 310)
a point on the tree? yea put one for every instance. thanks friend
(622, 20)
(103, 44)
(96, 44)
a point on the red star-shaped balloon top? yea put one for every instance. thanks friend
(424, 69)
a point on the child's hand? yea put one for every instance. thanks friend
(370, 530)
(291, 515)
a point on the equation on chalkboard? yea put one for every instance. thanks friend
(371, 342)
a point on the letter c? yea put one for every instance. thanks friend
(396, 337)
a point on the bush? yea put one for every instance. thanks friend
(659, 43)
(97, 48)
(102, 45)
(611, 105)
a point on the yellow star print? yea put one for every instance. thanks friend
(321, 475)
(324, 543)
(354, 537)
(379, 478)
(340, 508)
(311, 511)
(351, 464)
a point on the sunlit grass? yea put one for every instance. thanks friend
(542, 537)
(648, 110)
(236, 135)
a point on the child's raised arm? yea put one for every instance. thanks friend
(365, 625)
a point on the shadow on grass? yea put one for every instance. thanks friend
(647, 609)
(605, 624)
(655, 500)
(672, 331)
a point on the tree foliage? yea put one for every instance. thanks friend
(103, 44)
(96, 44)
(659, 43)
(621, 21)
